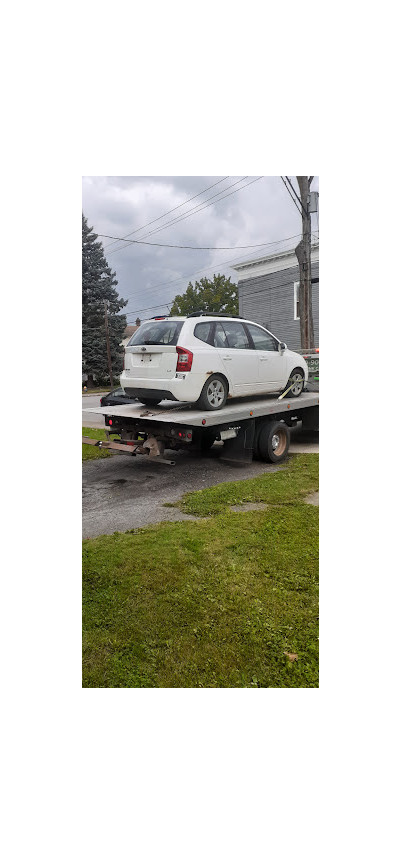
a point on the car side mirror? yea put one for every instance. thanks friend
(282, 346)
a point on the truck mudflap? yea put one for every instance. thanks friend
(152, 448)
(240, 449)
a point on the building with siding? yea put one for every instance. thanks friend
(268, 294)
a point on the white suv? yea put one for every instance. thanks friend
(205, 358)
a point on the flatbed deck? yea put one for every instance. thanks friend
(234, 410)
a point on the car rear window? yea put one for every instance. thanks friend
(157, 333)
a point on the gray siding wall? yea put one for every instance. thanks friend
(269, 300)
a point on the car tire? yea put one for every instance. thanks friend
(273, 441)
(151, 402)
(295, 382)
(214, 394)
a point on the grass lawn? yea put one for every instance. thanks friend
(95, 390)
(213, 603)
(89, 452)
(295, 479)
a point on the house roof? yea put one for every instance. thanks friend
(272, 263)
(129, 330)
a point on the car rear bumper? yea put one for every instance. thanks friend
(185, 389)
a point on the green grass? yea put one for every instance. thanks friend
(89, 452)
(213, 603)
(297, 478)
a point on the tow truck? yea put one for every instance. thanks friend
(249, 428)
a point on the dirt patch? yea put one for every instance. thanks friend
(242, 508)
(313, 499)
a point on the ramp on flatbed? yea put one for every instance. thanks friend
(234, 410)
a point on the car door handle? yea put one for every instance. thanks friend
(264, 359)
(226, 357)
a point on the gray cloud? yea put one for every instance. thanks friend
(261, 213)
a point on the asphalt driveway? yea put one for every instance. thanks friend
(125, 492)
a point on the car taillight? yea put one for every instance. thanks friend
(185, 359)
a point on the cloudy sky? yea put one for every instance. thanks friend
(236, 211)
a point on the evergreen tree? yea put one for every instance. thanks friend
(98, 285)
(216, 295)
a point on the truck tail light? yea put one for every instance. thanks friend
(185, 359)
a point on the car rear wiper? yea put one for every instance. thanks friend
(150, 342)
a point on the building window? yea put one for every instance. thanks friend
(296, 297)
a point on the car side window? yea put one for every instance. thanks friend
(220, 340)
(263, 341)
(203, 331)
(235, 334)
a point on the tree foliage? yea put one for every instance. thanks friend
(99, 284)
(216, 295)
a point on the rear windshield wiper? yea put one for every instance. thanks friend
(150, 342)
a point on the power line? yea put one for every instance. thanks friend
(210, 267)
(176, 246)
(169, 302)
(198, 210)
(293, 199)
(169, 211)
(188, 213)
(188, 276)
(162, 305)
(299, 199)
(196, 207)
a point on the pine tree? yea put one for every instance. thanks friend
(98, 285)
(216, 295)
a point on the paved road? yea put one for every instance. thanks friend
(125, 492)
(94, 420)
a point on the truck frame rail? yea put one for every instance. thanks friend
(260, 426)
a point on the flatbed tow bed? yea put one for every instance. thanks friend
(259, 427)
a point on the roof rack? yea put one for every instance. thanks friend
(213, 315)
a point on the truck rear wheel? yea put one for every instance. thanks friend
(273, 441)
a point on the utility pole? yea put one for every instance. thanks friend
(108, 343)
(303, 253)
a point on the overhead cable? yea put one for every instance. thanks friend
(173, 209)
(177, 246)
(198, 210)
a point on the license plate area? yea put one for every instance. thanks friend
(144, 361)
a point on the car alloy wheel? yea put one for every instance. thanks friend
(216, 393)
(295, 385)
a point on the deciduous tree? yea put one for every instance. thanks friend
(216, 295)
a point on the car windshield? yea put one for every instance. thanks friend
(157, 333)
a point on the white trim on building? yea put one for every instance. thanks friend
(272, 263)
(296, 301)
